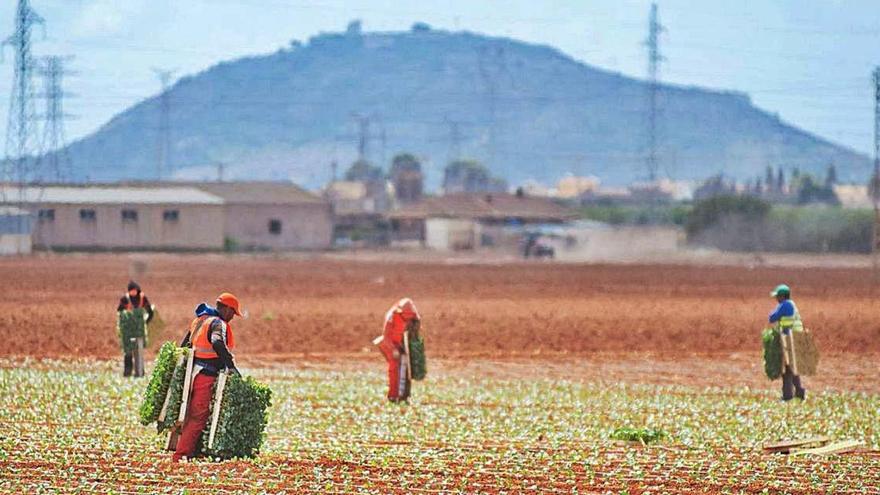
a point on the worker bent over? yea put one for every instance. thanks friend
(391, 344)
(787, 318)
(133, 299)
(210, 337)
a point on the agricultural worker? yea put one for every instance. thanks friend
(210, 336)
(134, 298)
(397, 320)
(786, 317)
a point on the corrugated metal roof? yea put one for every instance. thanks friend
(107, 195)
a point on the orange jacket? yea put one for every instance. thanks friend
(199, 331)
(396, 320)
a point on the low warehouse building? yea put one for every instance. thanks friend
(274, 216)
(121, 218)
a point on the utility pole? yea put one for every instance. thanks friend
(654, 59)
(221, 170)
(874, 186)
(55, 143)
(163, 145)
(22, 141)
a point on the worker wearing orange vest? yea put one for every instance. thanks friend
(397, 319)
(134, 298)
(211, 338)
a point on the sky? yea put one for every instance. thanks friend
(809, 61)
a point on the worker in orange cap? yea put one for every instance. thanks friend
(397, 320)
(211, 339)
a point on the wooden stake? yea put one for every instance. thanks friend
(139, 357)
(164, 410)
(187, 385)
(215, 414)
(408, 359)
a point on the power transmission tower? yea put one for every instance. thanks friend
(874, 186)
(22, 140)
(454, 140)
(654, 59)
(55, 142)
(163, 145)
(492, 64)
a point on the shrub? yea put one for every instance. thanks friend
(160, 380)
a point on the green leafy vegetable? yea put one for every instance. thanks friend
(644, 435)
(772, 353)
(160, 380)
(242, 422)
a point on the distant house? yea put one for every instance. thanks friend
(120, 218)
(15, 231)
(468, 221)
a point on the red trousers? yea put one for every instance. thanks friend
(196, 417)
(398, 383)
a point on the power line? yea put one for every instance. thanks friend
(22, 141)
(163, 144)
(55, 142)
(654, 59)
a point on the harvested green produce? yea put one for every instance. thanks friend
(160, 380)
(772, 341)
(131, 324)
(242, 422)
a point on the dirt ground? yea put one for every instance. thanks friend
(313, 309)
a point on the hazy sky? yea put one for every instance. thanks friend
(808, 60)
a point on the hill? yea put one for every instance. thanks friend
(528, 111)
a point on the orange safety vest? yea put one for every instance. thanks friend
(201, 344)
(129, 305)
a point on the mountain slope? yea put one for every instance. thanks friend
(528, 111)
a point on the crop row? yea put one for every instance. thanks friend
(69, 430)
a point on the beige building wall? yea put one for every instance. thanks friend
(302, 226)
(196, 227)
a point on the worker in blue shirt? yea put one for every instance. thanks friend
(787, 318)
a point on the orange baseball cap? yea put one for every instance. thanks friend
(229, 300)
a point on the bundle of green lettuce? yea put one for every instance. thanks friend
(772, 341)
(131, 324)
(243, 415)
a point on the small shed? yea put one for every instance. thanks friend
(15, 231)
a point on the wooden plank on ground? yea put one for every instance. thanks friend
(841, 447)
(787, 445)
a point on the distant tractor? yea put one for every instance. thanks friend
(535, 246)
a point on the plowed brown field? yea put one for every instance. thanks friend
(64, 306)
